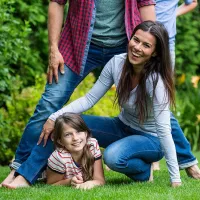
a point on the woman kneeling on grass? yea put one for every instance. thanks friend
(145, 90)
(77, 158)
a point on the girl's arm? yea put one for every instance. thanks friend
(56, 178)
(57, 169)
(186, 7)
(98, 177)
(59, 179)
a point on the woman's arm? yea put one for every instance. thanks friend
(163, 127)
(98, 177)
(103, 84)
(82, 104)
(185, 8)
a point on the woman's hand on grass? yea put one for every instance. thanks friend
(176, 184)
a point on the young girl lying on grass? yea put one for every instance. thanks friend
(77, 158)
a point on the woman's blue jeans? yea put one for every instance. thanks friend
(128, 151)
(31, 159)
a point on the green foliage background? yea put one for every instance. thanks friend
(24, 60)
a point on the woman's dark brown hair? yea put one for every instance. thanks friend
(158, 65)
(75, 121)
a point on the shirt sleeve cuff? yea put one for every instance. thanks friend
(52, 117)
(177, 180)
(61, 2)
(146, 3)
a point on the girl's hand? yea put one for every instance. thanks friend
(86, 186)
(46, 131)
(176, 184)
(76, 180)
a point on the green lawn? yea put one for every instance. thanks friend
(118, 186)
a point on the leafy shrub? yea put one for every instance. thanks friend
(20, 107)
(188, 114)
(22, 32)
(187, 44)
(188, 66)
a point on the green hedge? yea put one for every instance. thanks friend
(23, 44)
(13, 119)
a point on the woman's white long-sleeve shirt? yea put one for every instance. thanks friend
(158, 121)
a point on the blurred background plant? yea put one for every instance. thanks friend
(24, 60)
(188, 76)
(23, 44)
(188, 111)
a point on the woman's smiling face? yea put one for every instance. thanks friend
(141, 48)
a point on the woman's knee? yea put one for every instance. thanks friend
(113, 159)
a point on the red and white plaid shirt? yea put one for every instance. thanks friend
(76, 34)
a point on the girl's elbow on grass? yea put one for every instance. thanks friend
(55, 178)
(98, 175)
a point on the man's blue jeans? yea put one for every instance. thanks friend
(30, 158)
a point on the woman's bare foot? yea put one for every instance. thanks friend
(107, 168)
(151, 174)
(19, 181)
(156, 166)
(193, 172)
(9, 178)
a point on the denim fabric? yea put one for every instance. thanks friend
(183, 148)
(30, 159)
(128, 151)
(110, 133)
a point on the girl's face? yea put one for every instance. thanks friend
(141, 48)
(73, 140)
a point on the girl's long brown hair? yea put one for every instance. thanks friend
(75, 121)
(158, 65)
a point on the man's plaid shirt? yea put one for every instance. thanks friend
(77, 32)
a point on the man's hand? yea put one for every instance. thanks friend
(46, 131)
(55, 61)
(175, 184)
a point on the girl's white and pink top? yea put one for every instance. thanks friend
(62, 162)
